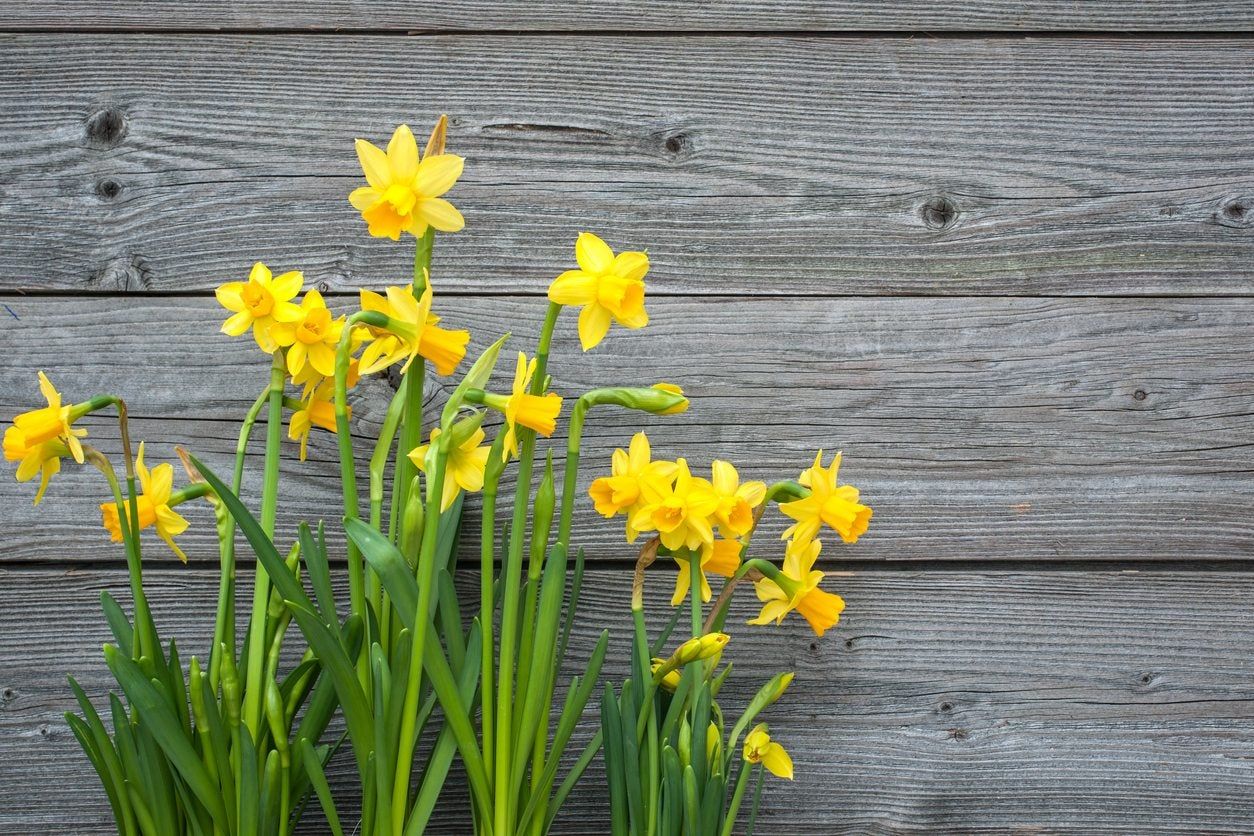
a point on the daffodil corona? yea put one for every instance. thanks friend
(759, 748)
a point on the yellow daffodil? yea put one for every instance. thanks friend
(463, 471)
(38, 439)
(679, 511)
(759, 748)
(443, 347)
(609, 288)
(259, 303)
(735, 501)
(154, 505)
(620, 492)
(407, 316)
(317, 409)
(828, 504)
(523, 409)
(403, 193)
(798, 589)
(721, 557)
(312, 339)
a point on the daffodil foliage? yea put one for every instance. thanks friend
(234, 744)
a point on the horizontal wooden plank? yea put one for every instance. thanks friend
(577, 16)
(945, 701)
(791, 165)
(1035, 429)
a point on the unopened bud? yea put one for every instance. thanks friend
(693, 650)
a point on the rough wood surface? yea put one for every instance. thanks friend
(954, 701)
(578, 16)
(1054, 429)
(751, 165)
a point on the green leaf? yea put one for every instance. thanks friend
(318, 778)
(314, 554)
(390, 565)
(119, 624)
(474, 379)
(83, 734)
(576, 772)
(159, 718)
(615, 768)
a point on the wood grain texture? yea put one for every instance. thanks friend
(577, 16)
(1031, 429)
(944, 701)
(776, 165)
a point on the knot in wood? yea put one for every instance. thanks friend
(1237, 213)
(938, 212)
(108, 189)
(106, 127)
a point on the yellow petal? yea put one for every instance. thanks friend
(777, 761)
(260, 274)
(237, 324)
(286, 286)
(440, 214)
(228, 296)
(374, 164)
(436, 175)
(593, 254)
(574, 287)
(403, 153)
(594, 324)
(631, 265)
(366, 197)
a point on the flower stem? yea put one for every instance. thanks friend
(254, 692)
(694, 588)
(411, 420)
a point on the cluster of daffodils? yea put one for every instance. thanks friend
(714, 520)
(237, 739)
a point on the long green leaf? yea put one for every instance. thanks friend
(166, 728)
(318, 778)
(474, 379)
(119, 624)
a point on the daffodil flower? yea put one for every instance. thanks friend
(735, 501)
(407, 317)
(797, 588)
(404, 194)
(463, 471)
(155, 505)
(829, 503)
(40, 438)
(317, 409)
(721, 557)
(679, 511)
(523, 409)
(312, 339)
(759, 748)
(259, 303)
(621, 491)
(609, 288)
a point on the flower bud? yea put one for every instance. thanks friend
(230, 688)
(412, 521)
(674, 390)
(693, 650)
(669, 681)
(662, 399)
(278, 722)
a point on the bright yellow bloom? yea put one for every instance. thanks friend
(317, 410)
(408, 316)
(799, 590)
(679, 512)
(404, 194)
(153, 504)
(312, 339)
(443, 347)
(721, 557)
(609, 288)
(759, 748)
(735, 501)
(259, 303)
(620, 492)
(38, 439)
(828, 504)
(538, 412)
(463, 470)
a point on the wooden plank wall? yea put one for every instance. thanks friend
(1001, 253)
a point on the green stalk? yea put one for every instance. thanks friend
(487, 606)
(411, 422)
(254, 693)
(422, 622)
(224, 622)
(694, 589)
(512, 574)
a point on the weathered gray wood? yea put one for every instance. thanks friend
(957, 701)
(749, 165)
(577, 16)
(1053, 429)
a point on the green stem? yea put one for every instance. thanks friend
(254, 692)
(422, 622)
(757, 798)
(487, 599)
(224, 623)
(411, 422)
(694, 589)
(512, 575)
